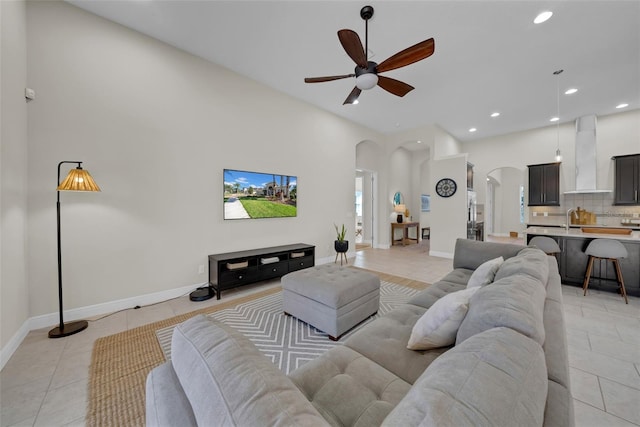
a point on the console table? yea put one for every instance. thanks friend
(233, 269)
(404, 226)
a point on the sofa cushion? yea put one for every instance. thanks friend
(516, 302)
(530, 261)
(439, 325)
(348, 389)
(441, 288)
(384, 341)
(229, 382)
(555, 343)
(486, 273)
(495, 378)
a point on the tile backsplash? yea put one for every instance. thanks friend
(599, 203)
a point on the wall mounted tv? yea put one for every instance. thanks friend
(249, 195)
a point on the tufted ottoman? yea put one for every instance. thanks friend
(331, 298)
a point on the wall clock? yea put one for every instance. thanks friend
(446, 187)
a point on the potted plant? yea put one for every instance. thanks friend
(341, 245)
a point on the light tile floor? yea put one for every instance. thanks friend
(45, 382)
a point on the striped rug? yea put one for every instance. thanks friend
(121, 362)
(288, 342)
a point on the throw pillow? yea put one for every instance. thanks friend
(438, 327)
(484, 274)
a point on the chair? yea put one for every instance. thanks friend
(608, 250)
(545, 244)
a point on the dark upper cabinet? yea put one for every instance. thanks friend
(627, 181)
(544, 184)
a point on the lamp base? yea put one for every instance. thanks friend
(68, 328)
(202, 294)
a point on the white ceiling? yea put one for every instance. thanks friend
(489, 55)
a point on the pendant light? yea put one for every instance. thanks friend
(558, 153)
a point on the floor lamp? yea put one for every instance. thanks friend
(78, 179)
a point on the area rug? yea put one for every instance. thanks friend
(120, 363)
(288, 342)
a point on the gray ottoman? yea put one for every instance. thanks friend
(331, 298)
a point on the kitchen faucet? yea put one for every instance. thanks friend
(567, 224)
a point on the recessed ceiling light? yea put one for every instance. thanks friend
(542, 17)
(571, 91)
(496, 114)
(419, 142)
(473, 130)
(623, 105)
(356, 102)
(554, 119)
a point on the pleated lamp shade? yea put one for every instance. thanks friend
(78, 179)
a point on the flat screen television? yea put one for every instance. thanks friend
(250, 195)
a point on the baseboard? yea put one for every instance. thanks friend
(441, 254)
(13, 344)
(52, 319)
(332, 259)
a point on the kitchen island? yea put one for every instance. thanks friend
(572, 261)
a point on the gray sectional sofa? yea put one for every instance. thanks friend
(508, 367)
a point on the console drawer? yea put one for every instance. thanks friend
(234, 277)
(275, 269)
(300, 263)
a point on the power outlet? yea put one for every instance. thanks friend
(201, 269)
(535, 214)
(546, 214)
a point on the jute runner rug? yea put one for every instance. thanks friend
(120, 363)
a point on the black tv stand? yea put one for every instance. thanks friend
(233, 269)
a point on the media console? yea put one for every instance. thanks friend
(233, 269)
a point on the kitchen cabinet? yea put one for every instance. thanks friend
(544, 184)
(572, 263)
(627, 180)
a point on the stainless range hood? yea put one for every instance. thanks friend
(586, 162)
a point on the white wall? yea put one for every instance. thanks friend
(617, 134)
(448, 214)
(507, 200)
(14, 293)
(155, 127)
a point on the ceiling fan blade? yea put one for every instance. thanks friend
(412, 54)
(327, 78)
(353, 46)
(394, 86)
(353, 96)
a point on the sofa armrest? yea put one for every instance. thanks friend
(470, 254)
(228, 381)
(166, 402)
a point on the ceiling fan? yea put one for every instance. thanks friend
(367, 72)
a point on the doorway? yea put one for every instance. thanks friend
(364, 209)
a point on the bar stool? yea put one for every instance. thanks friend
(545, 244)
(608, 250)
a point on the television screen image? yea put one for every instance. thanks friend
(249, 195)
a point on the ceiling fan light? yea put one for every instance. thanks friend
(542, 17)
(366, 81)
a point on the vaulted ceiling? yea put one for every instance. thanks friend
(489, 55)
